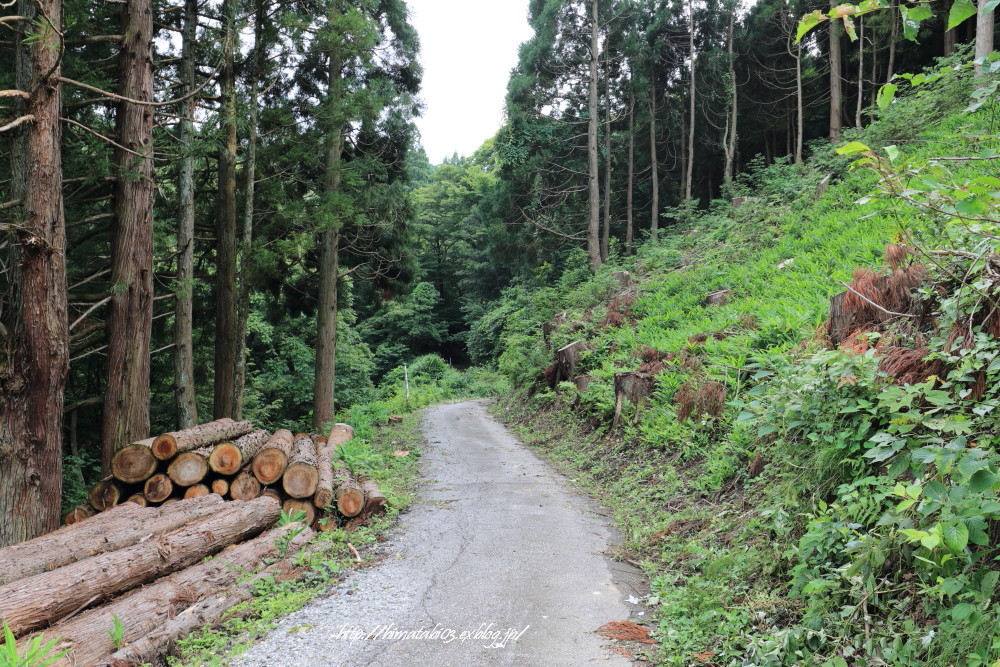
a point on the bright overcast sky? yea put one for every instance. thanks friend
(467, 48)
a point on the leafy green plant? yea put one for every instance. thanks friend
(36, 652)
(117, 633)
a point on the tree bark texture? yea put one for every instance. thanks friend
(130, 317)
(836, 91)
(34, 358)
(593, 113)
(184, 394)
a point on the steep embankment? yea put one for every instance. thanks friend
(800, 493)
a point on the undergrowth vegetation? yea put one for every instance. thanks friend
(805, 481)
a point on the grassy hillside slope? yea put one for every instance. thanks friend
(797, 500)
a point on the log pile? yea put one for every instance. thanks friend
(233, 460)
(179, 534)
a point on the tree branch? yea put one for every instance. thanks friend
(19, 121)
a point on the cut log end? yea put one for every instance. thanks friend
(158, 488)
(300, 480)
(133, 463)
(164, 447)
(138, 499)
(244, 487)
(220, 486)
(196, 490)
(104, 495)
(292, 507)
(187, 469)
(78, 514)
(225, 459)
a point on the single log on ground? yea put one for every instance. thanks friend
(293, 506)
(164, 629)
(350, 497)
(244, 486)
(301, 477)
(75, 586)
(138, 499)
(148, 611)
(375, 502)
(340, 433)
(75, 515)
(272, 459)
(134, 463)
(196, 491)
(324, 490)
(158, 488)
(188, 469)
(168, 445)
(105, 494)
(227, 458)
(220, 486)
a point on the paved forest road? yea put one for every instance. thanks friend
(496, 542)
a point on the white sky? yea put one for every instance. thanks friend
(467, 48)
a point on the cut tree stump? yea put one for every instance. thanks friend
(188, 468)
(301, 477)
(635, 386)
(134, 463)
(76, 515)
(272, 459)
(150, 609)
(78, 585)
(244, 486)
(158, 488)
(168, 445)
(841, 324)
(566, 359)
(350, 497)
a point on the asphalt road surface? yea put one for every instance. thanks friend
(498, 562)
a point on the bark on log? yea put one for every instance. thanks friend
(158, 488)
(119, 527)
(78, 585)
(324, 490)
(168, 445)
(196, 491)
(149, 611)
(292, 506)
(301, 477)
(350, 497)
(375, 502)
(134, 463)
(220, 486)
(104, 495)
(340, 433)
(244, 486)
(188, 469)
(270, 462)
(75, 515)
(138, 499)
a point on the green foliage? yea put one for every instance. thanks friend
(117, 633)
(36, 652)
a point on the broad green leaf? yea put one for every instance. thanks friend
(886, 94)
(852, 148)
(849, 28)
(960, 10)
(808, 22)
(962, 611)
(956, 537)
(982, 480)
(912, 16)
(990, 6)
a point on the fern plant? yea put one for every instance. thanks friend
(36, 652)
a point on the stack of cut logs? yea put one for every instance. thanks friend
(231, 459)
(120, 586)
